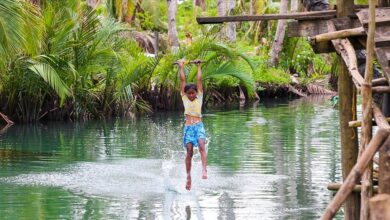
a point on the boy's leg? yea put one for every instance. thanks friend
(189, 155)
(203, 157)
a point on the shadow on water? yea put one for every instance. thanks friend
(268, 160)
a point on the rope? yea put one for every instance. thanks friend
(353, 110)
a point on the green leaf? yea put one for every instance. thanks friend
(50, 76)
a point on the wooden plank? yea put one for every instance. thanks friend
(380, 82)
(306, 28)
(381, 89)
(382, 21)
(382, 47)
(309, 28)
(346, 23)
(382, 42)
(315, 15)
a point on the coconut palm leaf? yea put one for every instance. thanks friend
(228, 69)
(51, 77)
(19, 29)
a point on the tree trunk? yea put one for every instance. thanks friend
(279, 36)
(173, 40)
(125, 8)
(251, 2)
(36, 2)
(231, 26)
(224, 8)
(294, 6)
(221, 6)
(201, 4)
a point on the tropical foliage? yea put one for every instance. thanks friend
(64, 60)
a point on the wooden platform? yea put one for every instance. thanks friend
(309, 24)
(382, 36)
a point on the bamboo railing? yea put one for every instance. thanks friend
(369, 146)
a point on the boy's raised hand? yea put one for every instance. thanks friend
(180, 63)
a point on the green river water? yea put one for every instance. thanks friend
(270, 160)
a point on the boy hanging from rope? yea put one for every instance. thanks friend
(194, 133)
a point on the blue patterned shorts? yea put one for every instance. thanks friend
(192, 133)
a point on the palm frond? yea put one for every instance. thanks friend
(228, 69)
(20, 29)
(51, 77)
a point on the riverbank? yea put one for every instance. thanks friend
(169, 100)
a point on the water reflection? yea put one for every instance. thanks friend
(226, 207)
(268, 160)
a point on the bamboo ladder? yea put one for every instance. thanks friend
(376, 42)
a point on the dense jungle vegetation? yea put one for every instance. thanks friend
(82, 59)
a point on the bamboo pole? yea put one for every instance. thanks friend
(356, 172)
(355, 124)
(338, 34)
(384, 168)
(357, 188)
(366, 182)
(380, 119)
(379, 206)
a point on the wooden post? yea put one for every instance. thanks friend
(384, 168)
(347, 112)
(348, 136)
(366, 193)
(379, 206)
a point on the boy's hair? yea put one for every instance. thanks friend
(190, 86)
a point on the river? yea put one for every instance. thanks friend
(267, 160)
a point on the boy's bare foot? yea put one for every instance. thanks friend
(188, 184)
(204, 174)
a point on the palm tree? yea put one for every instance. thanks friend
(173, 39)
(20, 29)
(225, 7)
(200, 3)
(79, 57)
(277, 46)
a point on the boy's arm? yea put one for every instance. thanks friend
(182, 77)
(199, 78)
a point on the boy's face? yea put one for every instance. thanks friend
(191, 94)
